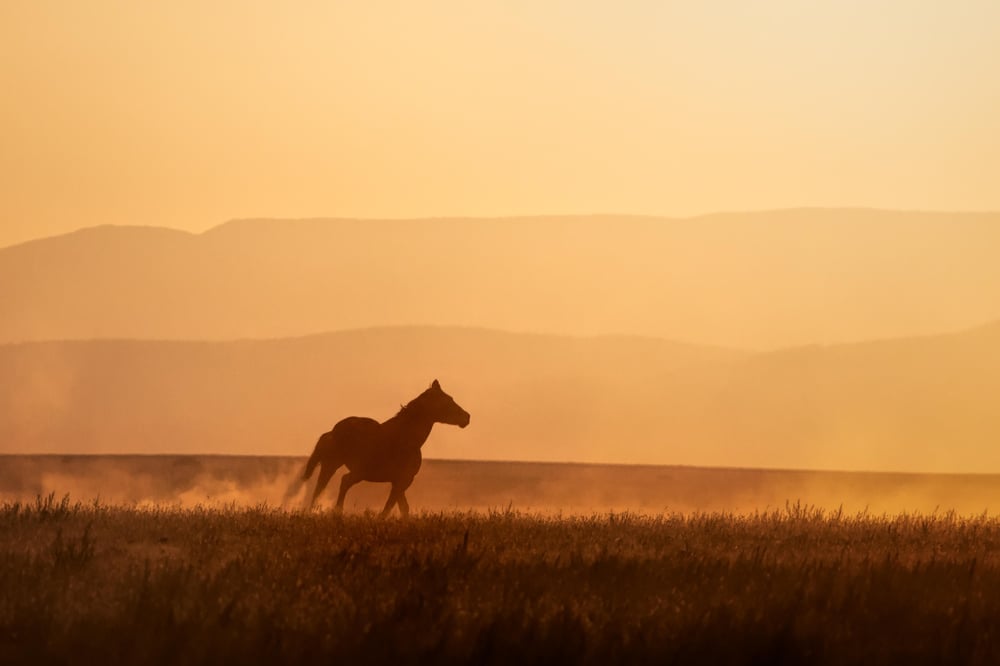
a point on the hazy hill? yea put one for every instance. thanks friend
(924, 404)
(276, 396)
(759, 280)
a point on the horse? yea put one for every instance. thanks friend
(382, 452)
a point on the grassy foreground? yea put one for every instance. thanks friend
(114, 584)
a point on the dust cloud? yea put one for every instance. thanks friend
(442, 485)
(183, 481)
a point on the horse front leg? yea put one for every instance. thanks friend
(389, 503)
(404, 506)
(396, 497)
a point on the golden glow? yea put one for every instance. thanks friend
(186, 114)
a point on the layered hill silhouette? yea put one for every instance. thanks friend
(921, 403)
(756, 280)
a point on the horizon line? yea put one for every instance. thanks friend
(507, 461)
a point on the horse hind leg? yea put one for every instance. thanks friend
(326, 472)
(294, 488)
(346, 483)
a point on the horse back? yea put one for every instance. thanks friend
(354, 426)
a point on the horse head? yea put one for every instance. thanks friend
(442, 407)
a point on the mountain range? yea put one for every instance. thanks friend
(744, 280)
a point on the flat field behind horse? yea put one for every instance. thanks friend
(92, 583)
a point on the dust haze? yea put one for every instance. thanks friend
(443, 485)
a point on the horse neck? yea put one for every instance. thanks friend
(411, 427)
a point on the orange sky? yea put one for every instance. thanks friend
(189, 113)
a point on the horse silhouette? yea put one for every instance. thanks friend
(382, 452)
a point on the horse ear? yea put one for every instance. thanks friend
(435, 385)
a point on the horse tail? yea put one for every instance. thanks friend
(295, 487)
(314, 459)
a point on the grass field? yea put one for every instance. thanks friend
(91, 583)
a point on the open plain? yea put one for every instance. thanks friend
(197, 566)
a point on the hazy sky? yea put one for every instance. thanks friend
(186, 114)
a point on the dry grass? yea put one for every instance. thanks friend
(117, 584)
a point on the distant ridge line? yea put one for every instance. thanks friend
(512, 218)
(985, 327)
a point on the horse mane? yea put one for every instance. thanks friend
(411, 405)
